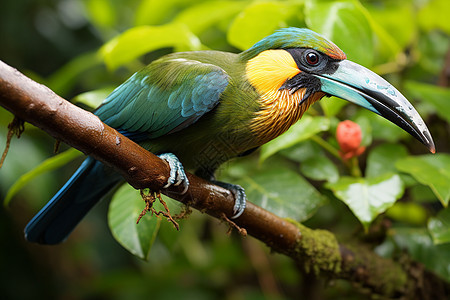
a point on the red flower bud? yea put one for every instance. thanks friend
(349, 136)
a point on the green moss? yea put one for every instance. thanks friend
(318, 250)
(382, 275)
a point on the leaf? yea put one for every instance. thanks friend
(300, 131)
(385, 41)
(439, 227)
(65, 78)
(381, 159)
(366, 128)
(332, 106)
(257, 21)
(282, 192)
(438, 97)
(320, 167)
(303, 151)
(432, 170)
(396, 19)
(408, 212)
(47, 165)
(380, 128)
(343, 22)
(155, 12)
(433, 48)
(205, 15)
(124, 209)
(93, 99)
(101, 12)
(142, 39)
(422, 249)
(434, 15)
(368, 197)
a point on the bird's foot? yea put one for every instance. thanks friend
(177, 174)
(239, 196)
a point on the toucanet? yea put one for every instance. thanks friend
(199, 109)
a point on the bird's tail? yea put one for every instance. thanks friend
(56, 220)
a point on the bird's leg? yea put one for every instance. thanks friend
(237, 190)
(239, 196)
(177, 174)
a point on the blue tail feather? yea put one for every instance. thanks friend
(56, 220)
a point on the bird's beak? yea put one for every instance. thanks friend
(361, 86)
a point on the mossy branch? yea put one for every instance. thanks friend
(317, 250)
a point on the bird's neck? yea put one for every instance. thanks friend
(279, 111)
(279, 108)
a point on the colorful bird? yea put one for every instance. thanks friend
(199, 109)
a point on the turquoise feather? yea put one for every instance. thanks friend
(167, 96)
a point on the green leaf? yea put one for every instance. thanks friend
(155, 12)
(300, 131)
(332, 106)
(432, 48)
(202, 16)
(124, 209)
(434, 15)
(257, 21)
(431, 170)
(142, 39)
(65, 78)
(320, 167)
(386, 43)
(101, 12)
(303, 151)
(380, 128)
(92, 99)
(282, 192)
(438, 97)
(439, 227)
(381, 159)
(396, 18)
(343, 22)
(47, 165)
(408, 212)
(366, 129)
(368, 197)
(422, 249)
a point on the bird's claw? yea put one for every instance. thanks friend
(239, 195)
(177, 175)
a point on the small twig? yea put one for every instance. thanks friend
(16, 127)
(233, 225)
(184, 213)
(166, 213)
(149, 199)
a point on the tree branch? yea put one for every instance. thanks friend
(317, 250)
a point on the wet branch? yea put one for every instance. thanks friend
(316, 250)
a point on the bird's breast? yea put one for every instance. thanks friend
(279, 111)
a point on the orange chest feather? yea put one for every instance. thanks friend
(280, 109)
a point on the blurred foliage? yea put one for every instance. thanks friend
(82, 49)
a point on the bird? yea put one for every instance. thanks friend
(198, 109)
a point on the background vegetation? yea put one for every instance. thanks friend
(398, 206)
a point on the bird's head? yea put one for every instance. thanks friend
(301, 61)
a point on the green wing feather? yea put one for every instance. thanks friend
(166, 96)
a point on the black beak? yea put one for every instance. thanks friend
(361, 86)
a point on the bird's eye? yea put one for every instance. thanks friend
(312, 58)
